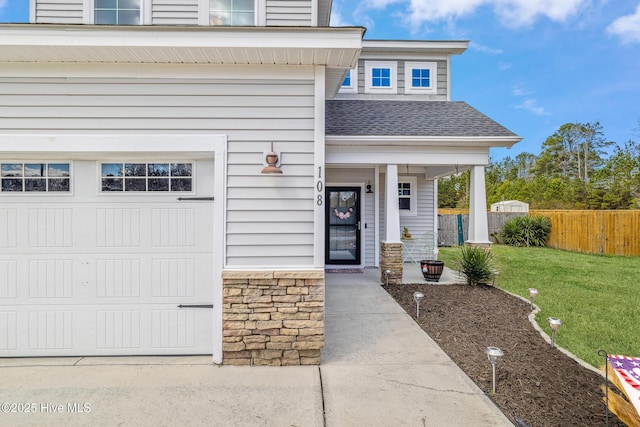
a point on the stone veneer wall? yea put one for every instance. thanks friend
(391, 259)
(273, 318)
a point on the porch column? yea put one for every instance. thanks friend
(478, 222)
(391, 247)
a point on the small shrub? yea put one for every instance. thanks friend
(526, 231)
(476, 265)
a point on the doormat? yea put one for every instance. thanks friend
(344, 270)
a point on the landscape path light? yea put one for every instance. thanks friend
(554, 324)
(494, 354)
(387, 273)
(417, 297)
(533, 292)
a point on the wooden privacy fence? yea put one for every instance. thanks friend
(597, 232)
(600, 232)
(449, 225)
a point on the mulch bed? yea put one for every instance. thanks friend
(536, 385)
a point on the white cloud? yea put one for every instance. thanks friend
(531, 105)
(513, 13)
(486, 49)
(627, 27)
(518, 91)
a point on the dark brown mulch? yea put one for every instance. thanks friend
(536, 385)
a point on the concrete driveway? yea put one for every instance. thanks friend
(379, 369)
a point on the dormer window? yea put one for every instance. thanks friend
(350, 82)
(381, 77)
(117, 12)
(232, 12)
(420, 77)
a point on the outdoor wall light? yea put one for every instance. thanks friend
(532, 295)
(417, 297)
(554, 324)
(272, 162)
(494, 354)
(369, 190)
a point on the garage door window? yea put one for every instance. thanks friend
(35, 177)
(147, 177)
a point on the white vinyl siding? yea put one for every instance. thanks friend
(270, 218)
(423, 222)
(58, 11)
(174, 12)
(289, 13)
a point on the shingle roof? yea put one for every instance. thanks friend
(359, 117)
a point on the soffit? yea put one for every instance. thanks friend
(331, 47)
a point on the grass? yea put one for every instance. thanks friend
(597, 297)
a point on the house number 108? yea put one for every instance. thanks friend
(319, 187)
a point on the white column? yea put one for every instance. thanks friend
(392, 208)
(478, 223)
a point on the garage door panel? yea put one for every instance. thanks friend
(99, 274)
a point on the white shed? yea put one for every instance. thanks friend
(510, 206)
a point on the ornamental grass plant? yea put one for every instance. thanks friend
(596, 296)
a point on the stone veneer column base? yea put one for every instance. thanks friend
(391, 259)
(273, 318)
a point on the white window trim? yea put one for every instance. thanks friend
(393, 66)
(41, 193)
(410, 66)
(89, 14)
(413, 181)
(353, 87)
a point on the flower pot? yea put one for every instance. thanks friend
(431, 269)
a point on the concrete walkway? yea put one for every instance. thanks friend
(379, 369)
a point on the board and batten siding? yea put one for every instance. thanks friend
(269, 218)
(423, 222)
(174, 12)
(360, 177)
(289, 13)
(58, 11)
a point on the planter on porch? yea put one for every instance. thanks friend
(431, 269)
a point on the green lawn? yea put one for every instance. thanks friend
(597, 297)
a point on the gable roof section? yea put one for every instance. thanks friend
(414, 120)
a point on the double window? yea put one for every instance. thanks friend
(380, 77)
(232, 12)
(117, 12)
(18, 177)
(420, 77)
(147, 177)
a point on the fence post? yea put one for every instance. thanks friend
(460, 231)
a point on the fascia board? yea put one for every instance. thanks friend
(218, 37)
(373, 140)
(454, 47)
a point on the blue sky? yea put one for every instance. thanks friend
(532, 65)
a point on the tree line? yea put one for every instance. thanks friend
(577, 168)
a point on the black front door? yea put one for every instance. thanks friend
(342, 244)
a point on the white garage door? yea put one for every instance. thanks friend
(106, 257)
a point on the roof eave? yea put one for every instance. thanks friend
(411, 140)
(333, 47)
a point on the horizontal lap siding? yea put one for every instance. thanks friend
(174, 12)
(423, 222)
(59, 12)
(289, 13)
(270, 218)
